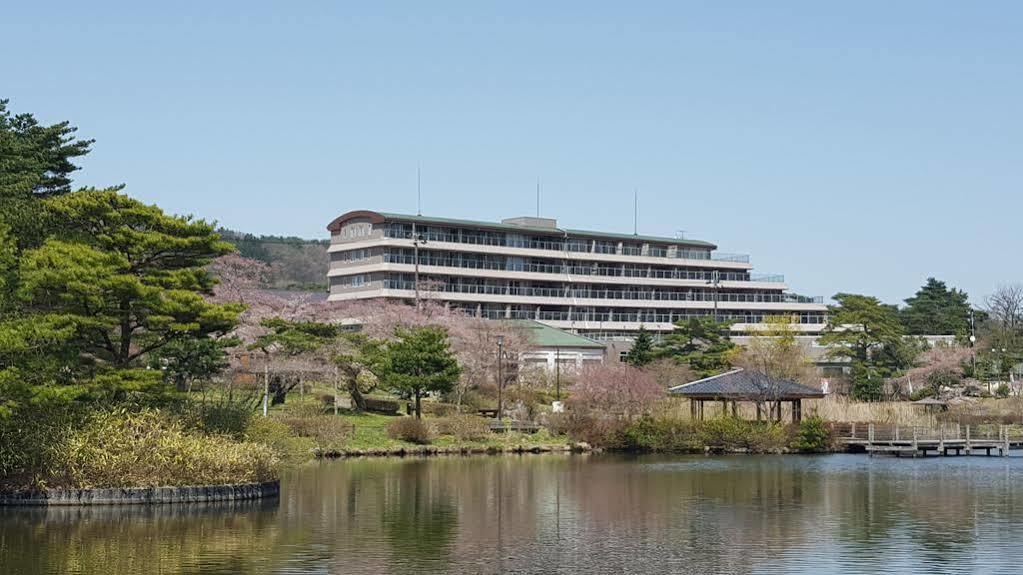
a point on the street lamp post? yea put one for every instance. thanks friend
(557, 371)
(715, 282)
(500, 377)
(973, 343)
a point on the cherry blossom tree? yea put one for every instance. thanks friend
(616, 388)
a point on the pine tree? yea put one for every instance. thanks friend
(419, 361)
(936, 310)
(642, 351)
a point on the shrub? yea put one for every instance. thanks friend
(734, 433)
(326, 431)
(921, 393)
(279, 438)
(464, 427)
(812, 436)
(148, 448)
(386, 406)
(598, 431)
(30, 439)
(228, 418)
(668, 435)
(409, 429)
(1002, 390)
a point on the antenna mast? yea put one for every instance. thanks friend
(635, 212)
(538, 196)
(419, 191)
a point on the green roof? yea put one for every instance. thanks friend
(544, 335)
(540, 230)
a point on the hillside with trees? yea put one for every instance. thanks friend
(294, 263)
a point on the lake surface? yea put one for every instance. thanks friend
(562, 514)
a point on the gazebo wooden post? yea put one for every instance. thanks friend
(758, 411)
(797, 410)
(777, 411)
(735, 408)
(701, 410)
(724, 408)
(692, 408)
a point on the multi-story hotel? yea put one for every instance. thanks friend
(598, 284)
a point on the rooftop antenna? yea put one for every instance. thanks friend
(635, 212)
(419, 191)
(538, 196)
(680, 234)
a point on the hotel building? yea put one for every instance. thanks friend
(598, 284)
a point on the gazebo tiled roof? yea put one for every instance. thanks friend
(740, 384)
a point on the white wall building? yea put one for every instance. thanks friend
(598, 284)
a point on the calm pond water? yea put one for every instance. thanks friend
(562, 514)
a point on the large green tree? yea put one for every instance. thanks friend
(702, 343)
(869, 335)
(36, 161)
(126, 277)
(419, 361)
(936, 310)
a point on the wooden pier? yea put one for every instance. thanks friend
(914, 441)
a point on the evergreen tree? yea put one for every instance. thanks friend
(701, 343)
(642, 351)
(869, 335)
(36, 161)
(936, 310)
(417, 362)
(124, 277)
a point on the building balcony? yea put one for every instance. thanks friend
(570, 293)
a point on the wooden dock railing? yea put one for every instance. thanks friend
(942, 439)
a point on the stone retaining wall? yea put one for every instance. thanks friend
(143, 495)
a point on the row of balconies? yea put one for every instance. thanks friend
(427, 258)
(643, 317)
(557, 244)
(587, 293)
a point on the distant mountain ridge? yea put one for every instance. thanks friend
(295, 263)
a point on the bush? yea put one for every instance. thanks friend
(30, 439)
(149, 449)
(813, 436)
(668, 435)
(409, 429)
(279, 438)
(598, 431)
(921, 393)
(734, 433)
(464, 427)
(326, 431)
(385, 406)
(1002, 390)
(228, 418)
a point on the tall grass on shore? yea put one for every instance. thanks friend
(124, 448)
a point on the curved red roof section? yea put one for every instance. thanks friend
(374, 217)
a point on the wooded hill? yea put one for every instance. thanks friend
(295, 263)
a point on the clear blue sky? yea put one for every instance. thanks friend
(856, 146)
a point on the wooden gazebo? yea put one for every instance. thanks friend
(741, 385)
